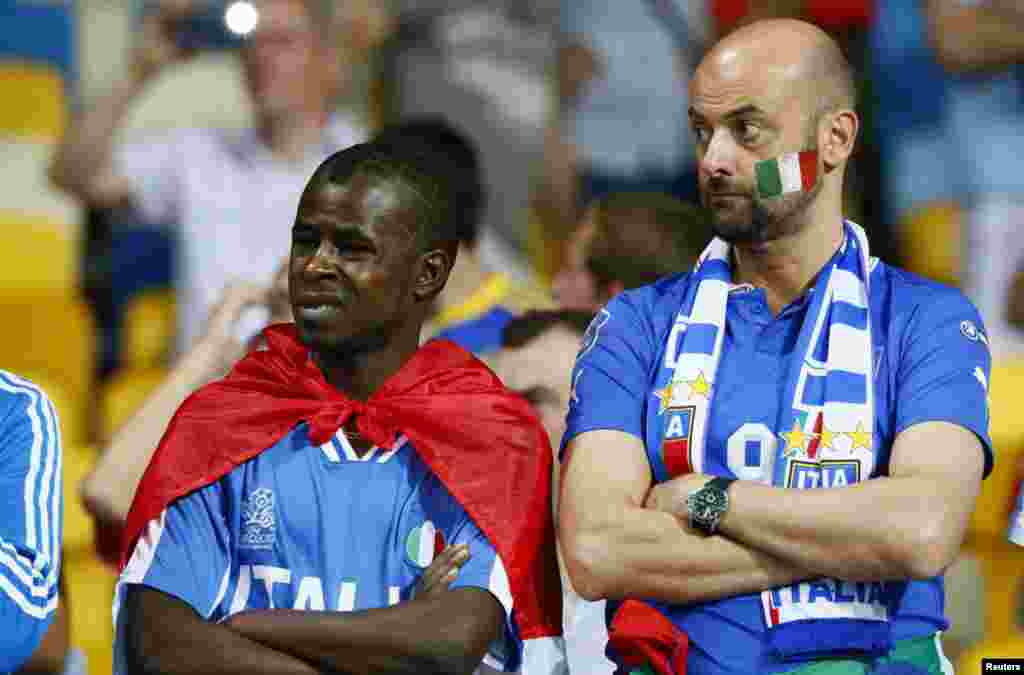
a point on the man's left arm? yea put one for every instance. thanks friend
(908, 525)
(437, 633)
(910, 522)
(30, 531)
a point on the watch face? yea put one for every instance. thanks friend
(712, 499)
(708, 505)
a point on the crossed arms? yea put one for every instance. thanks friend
(623, 538)
(438, 631)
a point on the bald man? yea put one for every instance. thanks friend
(780, 450)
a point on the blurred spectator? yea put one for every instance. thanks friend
(981, 45)
(483, 65)
(478, 300)
(627, 240)
(212, 184)
(624, 70)
(919, 170)
(110, 487)
(538, 349)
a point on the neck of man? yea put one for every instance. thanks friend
(289, 136)
(786, 267)
(468, 274)
(360, 373)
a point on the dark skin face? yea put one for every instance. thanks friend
(360, 281)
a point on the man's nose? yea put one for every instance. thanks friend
(719, 158)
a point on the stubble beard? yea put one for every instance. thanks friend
(765, 220)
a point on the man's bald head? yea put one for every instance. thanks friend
(766, 91)
(794, 53)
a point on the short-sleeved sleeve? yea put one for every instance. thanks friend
(485, 569)
(153, 169)
(185, 552)
(944, 369)
(611, 375)
(30, 531)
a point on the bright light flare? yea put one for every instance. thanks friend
(241, 17)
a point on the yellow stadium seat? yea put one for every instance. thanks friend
(1011, 647)
(52, 337)
(39, 254)
(34, 103)
(148, 329)
(90, 585)
(78, 524)
(989, 522)
(1002, 563)
(930, 241)
(123, 395)
(74, 427)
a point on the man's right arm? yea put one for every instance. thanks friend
(83, 164)
(615, 548)
(165, 636)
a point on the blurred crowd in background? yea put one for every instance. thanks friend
(152, 159)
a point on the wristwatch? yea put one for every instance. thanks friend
(706, 506)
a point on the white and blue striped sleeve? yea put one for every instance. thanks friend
(31, 501)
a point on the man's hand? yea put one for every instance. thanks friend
(442, 571)
(156, 47)
(670, 496)
(219, 339)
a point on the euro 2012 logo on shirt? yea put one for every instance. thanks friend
(258, 519)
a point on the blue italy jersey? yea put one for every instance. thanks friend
(931, 363)
(31, 500)
(315, 528)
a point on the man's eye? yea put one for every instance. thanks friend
(355, 251)
(701, 134)
(748, 132)
(303, 235)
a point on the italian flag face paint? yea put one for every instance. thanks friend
(793, 172)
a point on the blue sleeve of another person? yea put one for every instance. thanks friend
(610, 378)
(30, 531)
(944, 369)
(185, 553)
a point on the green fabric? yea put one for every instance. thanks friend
(919, 653)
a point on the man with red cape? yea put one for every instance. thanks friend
(331, 469)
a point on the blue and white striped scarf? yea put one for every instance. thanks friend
(825, 433)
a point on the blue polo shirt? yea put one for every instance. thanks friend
(931, 364)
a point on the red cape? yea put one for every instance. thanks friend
(481, 440)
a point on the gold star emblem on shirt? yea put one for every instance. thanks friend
(860, 438)
(826, 437)
(699, 386)
(795, 439)
(664, 397)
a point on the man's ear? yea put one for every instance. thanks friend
(434, 267)
(838, 135)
